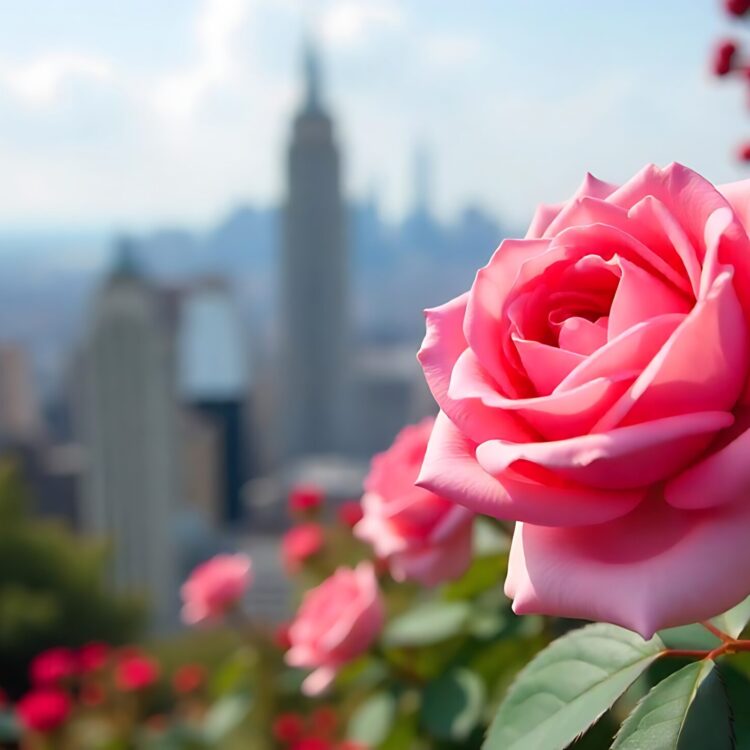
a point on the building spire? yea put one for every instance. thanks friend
(312, 77)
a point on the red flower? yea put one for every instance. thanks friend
(299, 544)
(351, 745)
(350, 513)
(92, 657)
(281, 636)
(312, 743)
(305, 497)
(723, 57)
(288, 727)
(737, 7)
(188, 678)
(136, 672)
(51, 667)
(92, 694)
(743, 152)
(43, 710)
(324, 722)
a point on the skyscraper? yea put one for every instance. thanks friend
(314, 282)
(129, 431)
(213, 381)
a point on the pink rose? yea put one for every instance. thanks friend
(593, 386)
(300, 543)
(423, 536)
(337, 621)
(215, 587)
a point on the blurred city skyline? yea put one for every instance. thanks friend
(141, 115)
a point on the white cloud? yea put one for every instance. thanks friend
(178, 94)
(447, 50)
(40, 81)
(346, 22)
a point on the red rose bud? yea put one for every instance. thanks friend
(351, 745)
(281, 636)
(324, 722)
(288, 727)
(305, 497)
(43, 710)
(350, 513)
(743, 152)
(299, 544)
(136, 672)
(92, 657)
(188, 678)
(723, 57)
(51, 667)
(736, 7)
(312, 743)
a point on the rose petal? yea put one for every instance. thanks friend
(581, 336)
(561, 414)
(546, 365)
(722, 477)
(591, 187)
(319, 681)
(451, 470)
(543, 215)
(738, 196)
(702, 367)
(658, 449)
(443, 344)
(641, 296)
(485, 324)
(631, 350)
(627, 571)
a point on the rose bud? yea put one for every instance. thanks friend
(299, 544)
(349, 605)
(51, 667)
(305, 498)
(593, 389)
(188, 678)
(350, 513)
(423, 536)
(288, 727)
(743, 152)
(737, 7)
(44, 710)
(215, 587)
(92, 657)
(723, 57)
(136, 672)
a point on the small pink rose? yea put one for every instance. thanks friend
(423, 536)
(300, 543)
(337, 621)
(593, 387)
(215, 587)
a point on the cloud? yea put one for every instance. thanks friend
(40, 81)
(447, 49)
(178, 94)
(346, 22)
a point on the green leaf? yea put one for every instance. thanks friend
(371, 723)
(427, 623)
(733, 622)
(737, 686)
(687, 711)
(225, 716)
(452, 705)
(566, 687)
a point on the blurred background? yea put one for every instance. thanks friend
(220, 221)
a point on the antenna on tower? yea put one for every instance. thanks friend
(312, 75)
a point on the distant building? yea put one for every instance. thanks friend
(20, 419)
(130, 483)
(213, 383)
(314, 275)
(389, 392)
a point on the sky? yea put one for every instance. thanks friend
(145, 114)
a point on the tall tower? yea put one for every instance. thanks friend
(130, 435)
(314, 272)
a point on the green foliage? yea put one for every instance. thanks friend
(568, 686)
(687, 711)
(52, 588)
(427, 624)
(372, 722)
(452, 705)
